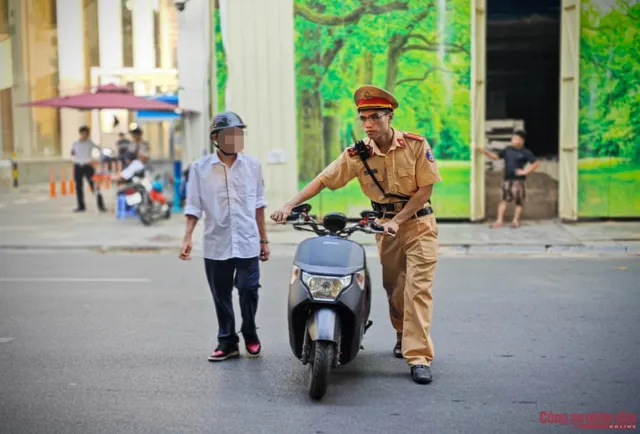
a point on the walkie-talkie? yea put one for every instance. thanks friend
(363, 152)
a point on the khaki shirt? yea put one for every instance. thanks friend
(403, 170)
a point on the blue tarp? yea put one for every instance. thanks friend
(160, 116)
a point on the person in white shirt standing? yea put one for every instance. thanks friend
(82, 150)
(227, 186)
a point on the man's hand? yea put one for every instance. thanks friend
(390, 227)
(265, 252)
(282, 214)
(521, 172)
(185, 252)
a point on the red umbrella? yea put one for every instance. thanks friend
(109, 96)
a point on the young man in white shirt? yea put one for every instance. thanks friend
(82, 152)
(228, 188)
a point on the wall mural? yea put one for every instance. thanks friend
(609, 126)
(417, 50)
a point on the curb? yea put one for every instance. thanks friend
(609, 249)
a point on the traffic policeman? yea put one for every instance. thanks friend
(396, 171)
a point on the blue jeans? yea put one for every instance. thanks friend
(244, 273)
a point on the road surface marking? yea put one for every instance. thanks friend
(21, 201)
(1, 205)
(73, 279)
(5, 340)
(41, 199)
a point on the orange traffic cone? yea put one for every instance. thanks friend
(72, 183)
(63, 182)
(52, 182)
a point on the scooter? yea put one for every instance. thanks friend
(329, 294)
(148, 199)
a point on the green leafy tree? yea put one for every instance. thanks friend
(610, 80)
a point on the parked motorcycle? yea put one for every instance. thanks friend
(329, 294)
(148, 199)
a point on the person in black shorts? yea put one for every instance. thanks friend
(516, 157)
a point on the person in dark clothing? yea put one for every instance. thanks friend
(515, 157)
(124, 146)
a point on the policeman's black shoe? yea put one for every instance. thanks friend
(421, 374)
(79, 210)
(397, 350)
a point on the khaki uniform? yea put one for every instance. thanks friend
(408, 259)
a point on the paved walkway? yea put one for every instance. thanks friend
(33, 220)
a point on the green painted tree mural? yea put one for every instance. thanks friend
(609, 125)
(419, 51)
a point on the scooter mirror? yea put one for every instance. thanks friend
(302, 208)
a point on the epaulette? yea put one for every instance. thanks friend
(414, 136)
(352, 151)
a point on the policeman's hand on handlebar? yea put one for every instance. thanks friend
(391, 227)
(281, 215)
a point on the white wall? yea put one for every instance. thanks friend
(193, 66)
(71, 67)
(259, 42)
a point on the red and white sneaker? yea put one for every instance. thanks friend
(253, 349)
(224, 352)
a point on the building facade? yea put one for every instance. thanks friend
(50, 48)
(291, 67)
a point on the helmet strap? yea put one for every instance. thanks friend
(228, 154)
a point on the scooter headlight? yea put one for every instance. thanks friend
(325, 287)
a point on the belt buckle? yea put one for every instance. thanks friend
(397, 207)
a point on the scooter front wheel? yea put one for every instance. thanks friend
(320, 368)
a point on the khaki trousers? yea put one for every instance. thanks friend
(408, 269)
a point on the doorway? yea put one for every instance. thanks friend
(522, 91)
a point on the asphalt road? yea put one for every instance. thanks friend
(94, 343)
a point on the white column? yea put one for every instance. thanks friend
(111, 57)
(261, 86)
(110, 33)
(144, 54)
(193, 64)
(71, 67)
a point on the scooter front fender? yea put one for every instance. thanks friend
(324, 325)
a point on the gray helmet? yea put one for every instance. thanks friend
(225, 120)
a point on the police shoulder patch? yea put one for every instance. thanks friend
(430, 156)
(413, 136)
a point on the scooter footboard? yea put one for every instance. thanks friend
(324, 325)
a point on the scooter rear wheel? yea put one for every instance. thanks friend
(320, 368)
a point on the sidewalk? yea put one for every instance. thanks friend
(34, 221)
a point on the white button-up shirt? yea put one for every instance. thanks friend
(83, 151)
(228, 197)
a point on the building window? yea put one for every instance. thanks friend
(91, 37)
(127, 33)
(42, 66)
(168, 35)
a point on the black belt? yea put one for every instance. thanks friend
(419, 213)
